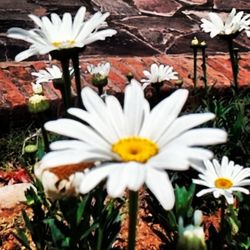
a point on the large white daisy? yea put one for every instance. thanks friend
(232, 24)
(223, 179)
(56, 33)
(133, 144)
(158, 74)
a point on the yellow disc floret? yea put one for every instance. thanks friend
(223, 183)
(135, 149)
(64, 44)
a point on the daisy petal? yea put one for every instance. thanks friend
(163, 192)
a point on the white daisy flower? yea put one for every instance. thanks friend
(49, 74)
(223, 179)
(56, 33)
(232, 24)
(101, 69)
(37, 88)
(159, 74)
(133, 144)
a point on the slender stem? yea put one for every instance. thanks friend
(75, 60)
(44, 132)
(222, 221)
(204, 66)
(234, 62)
(195, 50)
(99, 239)
(100, 90)
(133, 210)
(67, 82)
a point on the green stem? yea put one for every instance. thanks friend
(234, 62)
(133, 209)
(99, 239)
(204, 67)
(195, 50)
(44, 132)
(67, 82)
(100, 90)
(75, 60)
(222, 222)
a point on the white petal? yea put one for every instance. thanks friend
(159, 184)
(172, 160)
(134, 175)
(229, 197)
(183, 124)
(202, 182)
(99, 35)
(201, 136)
(163, 115)
(76, 130)
(133, 107)
(204, 191)
(63, 157)
(116, 115)
(96, 123)
(240, 189)
(78, 21)
(94, 177)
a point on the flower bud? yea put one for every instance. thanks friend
(30, 149)
(192, 237)
(38, 103)
(99, 80)
(195, 42)
(203, 44)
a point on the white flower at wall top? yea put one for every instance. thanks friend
(57, 34)
(232, 24)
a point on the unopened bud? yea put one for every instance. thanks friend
(99, 80)
(203, 44)
(30, 149)
(38, 103)
(195, 42)
(192, 237)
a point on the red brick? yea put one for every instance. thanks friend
(11, 92)
(135, 66)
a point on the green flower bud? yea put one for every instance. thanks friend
(38, 103)
(30, 149)
(99, 80)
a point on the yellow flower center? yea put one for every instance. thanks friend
(135, 149)
(223, 183)
(64, 44)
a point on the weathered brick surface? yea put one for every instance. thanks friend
(145, 27)
(16, 78)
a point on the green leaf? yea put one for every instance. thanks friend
(184, 199)
(58, 236)
(22, 237)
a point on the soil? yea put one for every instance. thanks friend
(147, 239)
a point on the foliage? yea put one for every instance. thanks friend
(85, 222)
